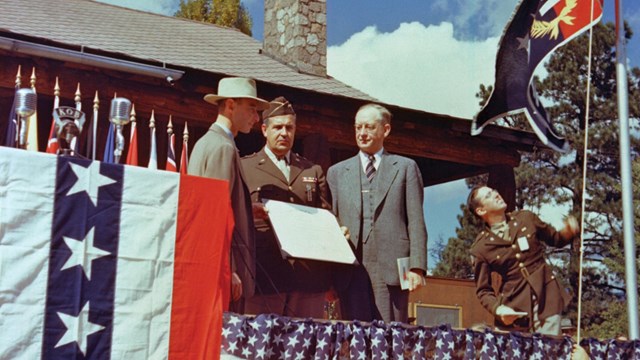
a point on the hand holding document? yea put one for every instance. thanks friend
(508, 315)
(259, 211)
(404, 272)
(306, 232)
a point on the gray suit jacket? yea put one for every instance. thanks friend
(399, 227)
(215, 155)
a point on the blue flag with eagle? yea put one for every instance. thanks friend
(536, 29)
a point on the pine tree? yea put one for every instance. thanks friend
(229, 13)
(453, 258)
(545, 177)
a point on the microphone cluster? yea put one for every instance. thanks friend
(69, 121)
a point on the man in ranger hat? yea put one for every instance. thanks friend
(215, 155)
(287, 287)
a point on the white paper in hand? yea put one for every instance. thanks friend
(403, 273)
(306, 232)
(403, 270)
(503, 310)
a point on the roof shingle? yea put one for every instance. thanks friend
(152, 37)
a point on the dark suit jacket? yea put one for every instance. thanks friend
(492, 253)
(306, 186)
(399, 227)
(215, 155)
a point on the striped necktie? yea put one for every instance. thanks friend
(371, 170)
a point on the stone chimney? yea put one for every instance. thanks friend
(295, 32)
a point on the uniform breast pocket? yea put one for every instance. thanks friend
(526, 231)
(526, 239)
(310, 192)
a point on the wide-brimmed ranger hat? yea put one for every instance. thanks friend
(237, 88)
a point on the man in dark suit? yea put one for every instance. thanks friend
(215, 155)
(378, 197)
(290, 287)
(530, 297)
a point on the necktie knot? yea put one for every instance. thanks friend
(283, 158)
(501, 229)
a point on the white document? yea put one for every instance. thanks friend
(517, 313)
(504, 310)
(403, 271)
(306, 232)
(520, 313)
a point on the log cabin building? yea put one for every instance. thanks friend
(166, 65)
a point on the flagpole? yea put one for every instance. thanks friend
(94, 125)
(585, 157)
(625, 176)
(73, 145)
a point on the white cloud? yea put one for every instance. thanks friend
(416, 66)
(492, 17)
(445, 192)
(476, 19)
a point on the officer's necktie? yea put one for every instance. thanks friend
(283, 166)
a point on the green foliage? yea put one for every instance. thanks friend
(613, 324)
(228, 13)
(616, 249)
(453, 257)
(549, 176)
(546, 177)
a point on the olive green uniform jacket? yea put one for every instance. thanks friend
(306, 186)
(524, 272)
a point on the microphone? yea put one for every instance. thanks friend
(25, 105)
(26, 102)
(119, 114)
(120, 111)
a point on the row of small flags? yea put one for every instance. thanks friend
(90, 148)
(132, 155)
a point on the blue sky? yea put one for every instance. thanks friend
(424, 54)
(471, 19)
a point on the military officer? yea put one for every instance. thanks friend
(287, 287)
(530, 297)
